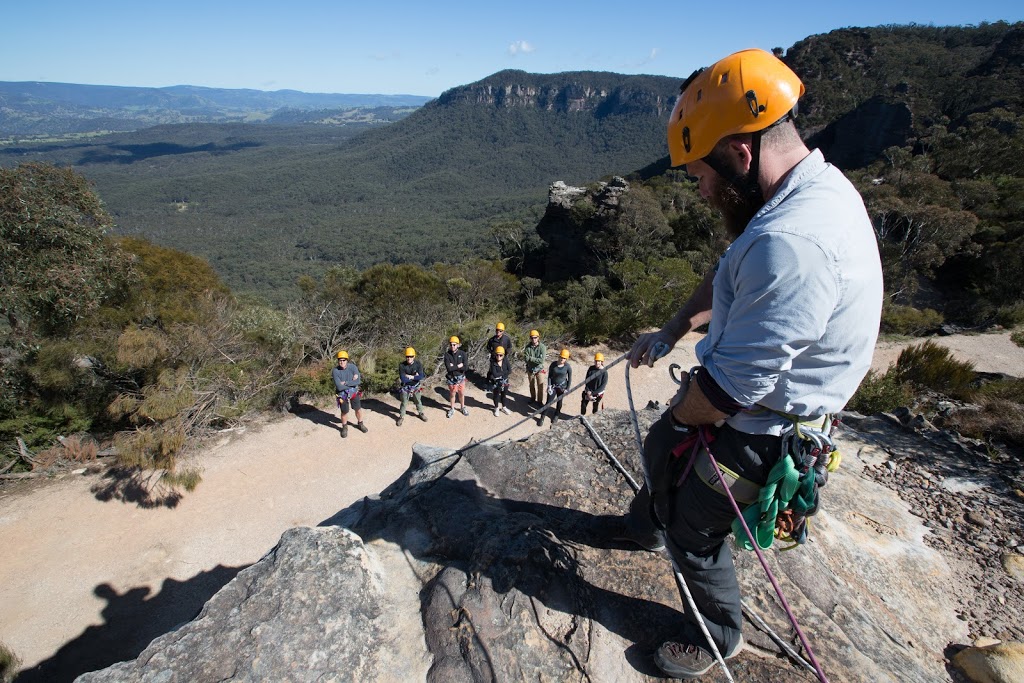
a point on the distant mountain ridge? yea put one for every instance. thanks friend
(602, 93)
(40, 108)
(267, 203)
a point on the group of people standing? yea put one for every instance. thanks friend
(546, 383)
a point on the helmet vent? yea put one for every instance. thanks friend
(686, 138)
(700, 94)
(724, 79)
(755, 108)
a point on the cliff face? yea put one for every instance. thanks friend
(601, 94)
(497, 564)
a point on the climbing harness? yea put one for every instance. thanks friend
(349, 394)
(412, 388)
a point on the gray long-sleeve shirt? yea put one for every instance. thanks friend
(797, 301)
(346, 379)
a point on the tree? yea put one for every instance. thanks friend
(56, 262)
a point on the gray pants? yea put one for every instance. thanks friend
(700, 521)
(416, 396)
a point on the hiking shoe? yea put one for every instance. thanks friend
(505, 410)
(344, 431)
(465, 410)
(361, 427)
(451, 411)
(680, 660)
(423, 417)
(652, 543)
(497, 412)
(399, 421)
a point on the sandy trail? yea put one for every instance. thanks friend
(85, 583)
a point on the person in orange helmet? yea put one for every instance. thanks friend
(792, 307)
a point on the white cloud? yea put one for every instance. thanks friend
(520, 46)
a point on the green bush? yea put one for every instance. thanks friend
(1004, 389)
(9, 664)
(1018, 338)
(314, 380)
(880, 393)
(930, 366)
(1010, 316)
(379, 370)
(910, 321)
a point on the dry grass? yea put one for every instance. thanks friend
(998, 419)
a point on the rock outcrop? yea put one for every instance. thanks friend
(600, 94)
(573, 212)
(495, 563)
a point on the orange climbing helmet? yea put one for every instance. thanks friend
(745, 92)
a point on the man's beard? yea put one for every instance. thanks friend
(736, 209)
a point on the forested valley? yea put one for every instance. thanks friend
(225, 266)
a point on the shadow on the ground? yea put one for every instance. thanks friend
(131, 620)
(137, 486)
(316, 415)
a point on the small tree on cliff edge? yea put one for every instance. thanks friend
(56, 263)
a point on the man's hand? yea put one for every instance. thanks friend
(643, 348)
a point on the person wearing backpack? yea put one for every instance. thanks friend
(792, 309)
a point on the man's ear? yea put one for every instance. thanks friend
(739, 150)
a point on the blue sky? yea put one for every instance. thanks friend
(420, 48)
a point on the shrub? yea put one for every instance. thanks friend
(909, 321)
(930, 366)
(314, 380)
(9, 664)
(1010, 316)
(1018, 338)
(379, 370)
(997, 418)
(879, 393)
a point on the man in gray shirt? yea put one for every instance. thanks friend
(793, 308)
(346, 384)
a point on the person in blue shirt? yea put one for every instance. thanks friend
(792, 310)
(346, 384)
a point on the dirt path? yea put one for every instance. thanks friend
(85, 583)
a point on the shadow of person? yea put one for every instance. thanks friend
(546, 552)
(131, 620)
(315, 415)
(375, 405)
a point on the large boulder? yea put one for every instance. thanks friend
(495, 563)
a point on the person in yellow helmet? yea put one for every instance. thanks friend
(596, 383)
(410, 377)
(559, 382)
(500, 338)
(346, 384)
(535, 354)
(455, 364)
(792, 310)
(497, 375)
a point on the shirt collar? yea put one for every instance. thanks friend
(810, 166)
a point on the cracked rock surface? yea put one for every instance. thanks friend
(496, 563)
